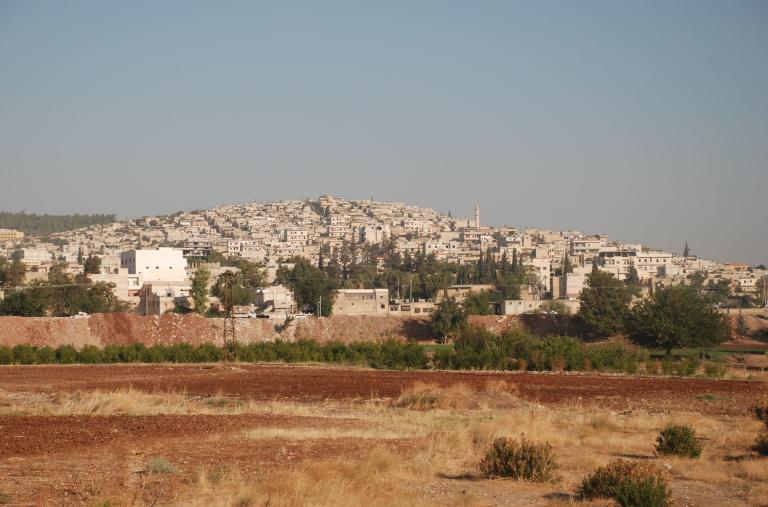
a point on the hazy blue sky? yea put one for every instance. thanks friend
(647, 121)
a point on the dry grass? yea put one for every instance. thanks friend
(444, 433)
(129, 401)
(423, 396)
(342, 482)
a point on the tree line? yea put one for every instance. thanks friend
(60, 295)
(42, 225)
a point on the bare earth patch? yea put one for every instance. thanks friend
(300, 435)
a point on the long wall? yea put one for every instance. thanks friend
(123, 328)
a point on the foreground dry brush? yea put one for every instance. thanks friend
(425, 447)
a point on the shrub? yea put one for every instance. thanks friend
(155, 354)
(629, 483)
(396, 355)
(687, 366)
(615, 357)
(678, 441)
(519, 460)
(761, 412)
(420, 397)
(558, 353)
(761, 444)
(66, 354)
(46, 355)
(159, 466)
(714, 371)
(89, 354)
(111, 353)
(6, 355)
(206, 353)
(134, 353)
(24, 354)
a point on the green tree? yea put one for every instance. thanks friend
(92, 265)
(741, 325)
(24, 303)
(448, 319)
(686, 250)
(604, 305)
(677, 317)
(200, 289)
(633, 280)
(479, 303)
(309, 284)
(241, 293)
(11, 273)
(567, 266)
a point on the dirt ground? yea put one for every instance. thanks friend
(315, 383)
(60, 447)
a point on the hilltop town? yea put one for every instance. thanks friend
(151, 262)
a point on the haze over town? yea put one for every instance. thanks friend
(554, 117)
(397, 253)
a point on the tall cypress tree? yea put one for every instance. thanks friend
(514, 260)
(567, 267)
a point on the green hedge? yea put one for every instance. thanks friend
(389, 354)
(480, 349)
(475, 349)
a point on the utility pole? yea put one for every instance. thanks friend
(229, 320)
(765, 302)
(320, 307)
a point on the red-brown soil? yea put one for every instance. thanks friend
(84, 460)
(25, 435)
(310, 383)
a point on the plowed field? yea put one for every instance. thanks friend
(307, 383)
(60, 458)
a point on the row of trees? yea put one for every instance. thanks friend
(233, 287)
(61, 295)
(420, 275)
(678, 316)
(42, 225)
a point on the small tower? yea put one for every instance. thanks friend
(477, 216)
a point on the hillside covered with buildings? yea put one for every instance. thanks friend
(383, 258)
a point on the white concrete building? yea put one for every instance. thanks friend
(161, 265)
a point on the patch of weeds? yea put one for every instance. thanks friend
(246, 501)
(761, 444)
(678, 441)
(159, 466)
(419, 401)
(712, 397)
(218, 473)
(714, 371)
(629, 484)
(519, 460)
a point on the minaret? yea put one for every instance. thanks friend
(477, 216)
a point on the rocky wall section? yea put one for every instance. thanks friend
(126, 328)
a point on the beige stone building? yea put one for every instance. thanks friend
(361, 302)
